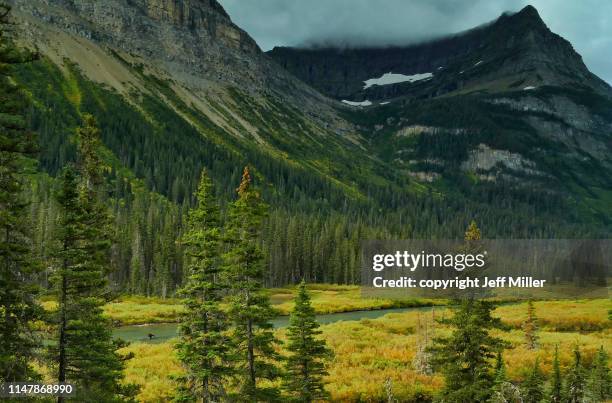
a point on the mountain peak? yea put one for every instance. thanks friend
(530, 12)
(526, 19)
(515, 51)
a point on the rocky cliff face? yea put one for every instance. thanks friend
(191, 44)
(194, 36)
(512, 53)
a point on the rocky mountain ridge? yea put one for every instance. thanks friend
(507, 110)
(514, 52)
(191, 44)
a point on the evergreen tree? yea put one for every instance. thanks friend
(249, 305)
(499, 380)
(503, 390)
(18, 307)
(203, 347)
(599, 386)
(500, 369)
(530, 327)
(464, 357)
(86, 353)
(574, 388)
(556, 384)
(305, 365)
(533, 388)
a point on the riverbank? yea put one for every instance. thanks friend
(162, 332)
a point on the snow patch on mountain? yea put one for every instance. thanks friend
(393, 78)
(354, 103)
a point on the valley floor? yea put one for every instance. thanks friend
(326, 298)
(370, 351)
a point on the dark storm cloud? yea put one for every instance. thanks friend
(585, 23)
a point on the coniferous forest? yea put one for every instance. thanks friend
(314, 227)
(115, 213)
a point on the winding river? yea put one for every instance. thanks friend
(164, 331)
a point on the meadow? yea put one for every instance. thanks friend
(326, 298)
(372, 352)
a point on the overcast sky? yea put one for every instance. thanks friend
(585, 23)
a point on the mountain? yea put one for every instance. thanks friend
(519, 142)
(187, 60)
(508, 102)
(511, 53)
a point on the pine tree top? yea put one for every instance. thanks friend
(89, 143)
(473, 232)
(206, 209)
(303, 307)
(245, 182)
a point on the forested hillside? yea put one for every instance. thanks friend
(153, 158)
(332, 175)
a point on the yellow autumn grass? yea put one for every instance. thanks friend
(562, 315)
(129, 311)
(370, 351)
(330, 298)
(152, 368)
(326, 298)
(134, 310)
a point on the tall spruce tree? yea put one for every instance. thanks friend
(500, 380)
(305, 365)
(555, 395)
(503, 391)
(18, 307)
(204, 348)
(533, 387)
(249, 305)
(575, 381)
(465, 357)
(85, 352)
(599, 384)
